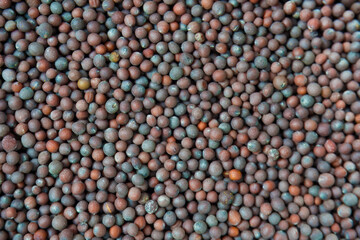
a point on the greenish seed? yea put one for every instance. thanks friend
(222, 215)
(211, 221)
(25, 140)
(273, 154)
(119, 219)
(225, 127)
(144, 171)
(309, 58)
(144, 129)
(109, 149)
(287, 197)
(8, 75)
(56, 8)
(261, 62)
(36, 49)
(311, 137)
(99, 61)
(151, 206)
(192, 131)
(126, 85)
(137, 179)
(180, 109)
(174, 122)
(307, 101)
(337, 125)
(26, 93)
(326, 219)
(45, 30)
(350, 199)
(55, 167)
(77, 24)
(138, 90)
(85, 150)
(342, 65)
(112, 106)
(200, 227)
(61, 64)
(274, 218)
(148, 146)
(219, 8)
(254, 146)
(324, 195)
(213, 144)
(25, 26)
(287, 92)
(277, 97)
(161, 48)
(176, 73)
(66, 16)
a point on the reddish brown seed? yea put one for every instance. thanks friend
(234, 217)
(5, 4)
(207, 4)
(216, 134)
(326, 180)
(219, 75)
(330, 146)
(52, 146)
(9, 143)
(40, 234)
(289, 7)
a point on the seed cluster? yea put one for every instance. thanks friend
(179, 119)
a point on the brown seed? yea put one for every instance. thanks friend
(326, 180)
(280, 82)
(9, 143)
(330, 146)
(5, 4)
(207, 4)
(219, 75)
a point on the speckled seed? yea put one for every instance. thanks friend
(151, 206)
(200, 227)
(226, 197)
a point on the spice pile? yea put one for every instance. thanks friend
(131, 119)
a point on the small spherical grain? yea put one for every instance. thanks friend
(179, 119)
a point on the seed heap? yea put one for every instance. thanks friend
(189, 119)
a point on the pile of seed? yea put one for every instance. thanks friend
(179, 119)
